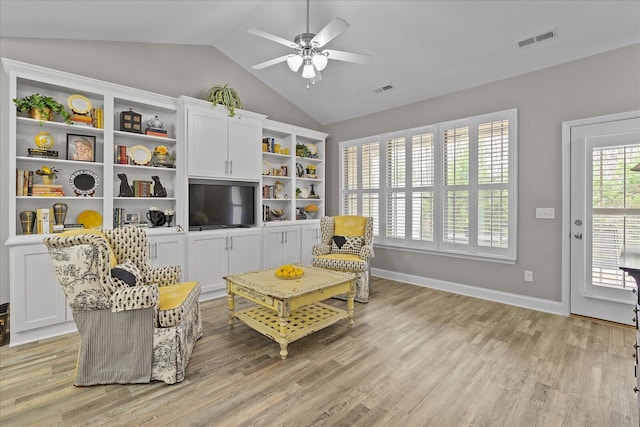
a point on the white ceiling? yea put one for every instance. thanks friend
(423, 48)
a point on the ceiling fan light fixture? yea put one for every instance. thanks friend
(319, 61)
(308, 71)
(294, 62)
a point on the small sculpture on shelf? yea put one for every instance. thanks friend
(125, 189)
(169, 213)
(158, 188)
(312, 193)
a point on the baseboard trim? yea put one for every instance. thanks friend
(539, 304)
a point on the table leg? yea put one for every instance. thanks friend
(230, 307)
(283, 334)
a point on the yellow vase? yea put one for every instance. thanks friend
(47, 179)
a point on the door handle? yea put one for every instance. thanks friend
(578, 236)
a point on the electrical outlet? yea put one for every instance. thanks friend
(528, 276)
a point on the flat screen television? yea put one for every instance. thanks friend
(221, 205)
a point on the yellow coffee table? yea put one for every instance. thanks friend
(287, 310)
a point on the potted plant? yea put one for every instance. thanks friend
(226, 96)
(41, 107)
(48, 174)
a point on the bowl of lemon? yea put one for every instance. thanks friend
(288, 272)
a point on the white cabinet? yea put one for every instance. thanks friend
(219, 146)
(280, 245)
(38, 302)
(206, 138)
(309, 236)
(167, 250)
(215, 254)
(244, 146)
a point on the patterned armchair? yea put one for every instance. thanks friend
(136, 323)
(346, 244)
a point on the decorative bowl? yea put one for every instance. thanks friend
(277, 213)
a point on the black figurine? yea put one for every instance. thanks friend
(158, 189)
(125, 189)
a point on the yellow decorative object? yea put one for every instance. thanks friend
(79, 104)
(74, 232)
(161, 149)
(140, 154)
(311, 208)
(349, 225)
(43, 140)
(289, 272)
(90, 219)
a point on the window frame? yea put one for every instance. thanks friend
(438, 246)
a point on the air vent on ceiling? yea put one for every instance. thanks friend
(549, 35)
(384, 88)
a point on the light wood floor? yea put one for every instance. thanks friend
(415, 357)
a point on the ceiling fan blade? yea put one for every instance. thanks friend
(272, 37)
(332, 30)
(339, 55)
(270, 62)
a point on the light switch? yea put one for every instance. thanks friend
(545, 213)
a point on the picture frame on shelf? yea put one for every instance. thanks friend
(130, 217)
(81, 147)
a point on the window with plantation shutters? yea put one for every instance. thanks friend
(360, 181)
(422, 187)
(395, 190)
(493, 184)
(455, 227)
(447, 188)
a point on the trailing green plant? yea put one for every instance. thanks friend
(41, 103)
(226, 96)
(302, 150)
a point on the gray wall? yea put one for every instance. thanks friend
(602, 84)
(171, 70)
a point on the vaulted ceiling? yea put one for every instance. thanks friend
(421, 48)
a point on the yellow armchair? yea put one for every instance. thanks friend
(346, 244)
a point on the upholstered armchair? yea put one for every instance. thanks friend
(136, 323)
(346, 244)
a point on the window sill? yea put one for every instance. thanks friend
(446, 253)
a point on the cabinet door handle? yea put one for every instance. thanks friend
(286, 236)
(226, 167)
(230, 167)
(231, 245)
(226, 243)
(155, 250)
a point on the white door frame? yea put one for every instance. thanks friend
(566, 196)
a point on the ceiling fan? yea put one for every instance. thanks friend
(310, 53)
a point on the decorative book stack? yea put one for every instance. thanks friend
(142, 188)
(42, 152)
(121, 155)
(82, 120)
(47, 190)
(98, 118)
(44, 220)
(156, 132)
(24, 182)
